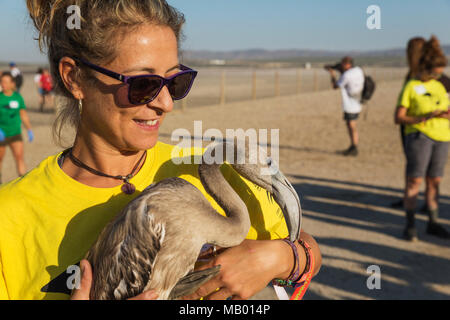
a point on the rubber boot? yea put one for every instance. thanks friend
(410, 232)
(434, 228)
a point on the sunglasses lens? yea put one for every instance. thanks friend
(181, 85)
(144, 89)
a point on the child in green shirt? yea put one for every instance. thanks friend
(12, 114)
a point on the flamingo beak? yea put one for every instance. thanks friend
(285, 195)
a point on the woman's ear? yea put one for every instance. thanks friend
(68, 71)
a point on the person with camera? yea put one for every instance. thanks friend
(351, 83)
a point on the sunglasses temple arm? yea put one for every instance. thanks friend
(107, 72)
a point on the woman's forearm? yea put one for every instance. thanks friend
(409, 120)
(401, 117)
(287, 256)
(25, 119)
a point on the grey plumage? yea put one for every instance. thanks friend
(156, 239)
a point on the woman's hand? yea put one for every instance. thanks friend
(86, 281)
(332, 72)
(444, 114)
(245, 269)
(434, 114)
(401, 116)
(30, 135)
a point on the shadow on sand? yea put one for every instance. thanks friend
(404, 274)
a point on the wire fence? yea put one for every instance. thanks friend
(219, 86)
(226, 85)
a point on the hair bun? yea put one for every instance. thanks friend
(434, 43)
(433, 47)
(432, 57)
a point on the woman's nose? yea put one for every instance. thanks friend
(163, 101)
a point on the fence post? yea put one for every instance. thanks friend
(254, 85)
(316, 81)
(222, 88)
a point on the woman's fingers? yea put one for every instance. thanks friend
(205, 290)
(222, 294)
(85, 283)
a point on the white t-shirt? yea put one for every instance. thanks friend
(37, 78)
(15, 72)
(351, 83)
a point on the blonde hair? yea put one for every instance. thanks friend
(103, 24)
(432, 57)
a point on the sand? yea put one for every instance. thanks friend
(346, 201)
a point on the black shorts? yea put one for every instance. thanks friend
(350, 116)
(10, 140)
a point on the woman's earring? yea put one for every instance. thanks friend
(80, 105)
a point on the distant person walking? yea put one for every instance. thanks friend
(12, 114)
(351, 83)
(46, 85)
(37, 82)
(17, 75)
(424, 109)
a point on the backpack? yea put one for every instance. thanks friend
(18, 80)
(368, 89)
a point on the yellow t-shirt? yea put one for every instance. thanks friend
(48, 221)
(421, 98)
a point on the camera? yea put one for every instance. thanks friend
(337, 67)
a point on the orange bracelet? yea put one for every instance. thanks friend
(305, 279)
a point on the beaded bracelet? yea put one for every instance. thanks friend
(294, 278)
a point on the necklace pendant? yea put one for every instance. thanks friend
(128, 188)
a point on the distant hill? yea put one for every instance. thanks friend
(396, 54)
(279, 58)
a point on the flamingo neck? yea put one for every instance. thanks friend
(218, 187)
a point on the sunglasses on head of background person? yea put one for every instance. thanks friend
(143, 89)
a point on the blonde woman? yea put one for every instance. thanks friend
(105, 75)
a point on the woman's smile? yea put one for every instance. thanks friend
(148, 124)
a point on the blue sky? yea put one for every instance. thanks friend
(269, 24)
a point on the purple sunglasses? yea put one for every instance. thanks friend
(143, 89)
